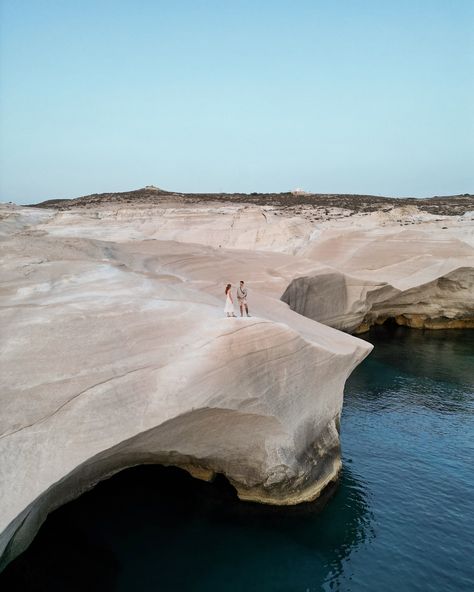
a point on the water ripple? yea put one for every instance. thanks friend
(402, 518)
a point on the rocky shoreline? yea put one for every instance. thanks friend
(117, 352)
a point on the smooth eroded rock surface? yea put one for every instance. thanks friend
(417, 278)
(119, 353)
(116, 351)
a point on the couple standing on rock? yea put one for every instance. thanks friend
(241, 297)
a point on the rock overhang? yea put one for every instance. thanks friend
(112, 362)
(115, 347)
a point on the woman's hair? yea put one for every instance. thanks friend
(227, 288)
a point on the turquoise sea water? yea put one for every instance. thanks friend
(402, 518)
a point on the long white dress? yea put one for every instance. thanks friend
(229, 305)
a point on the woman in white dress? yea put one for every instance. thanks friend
(229, 301)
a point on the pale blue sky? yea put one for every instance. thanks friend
(361, 96)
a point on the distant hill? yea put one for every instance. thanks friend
(443, 205)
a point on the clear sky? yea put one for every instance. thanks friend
(354, 96)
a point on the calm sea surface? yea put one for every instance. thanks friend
(402, 518)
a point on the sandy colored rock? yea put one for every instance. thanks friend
(416, 278)
(117, 354)
(116, 351)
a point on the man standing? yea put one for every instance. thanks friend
(242, 298)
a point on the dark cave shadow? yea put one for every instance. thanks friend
(153, 519)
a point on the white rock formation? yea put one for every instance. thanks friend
(115, 350)
(419, 279)
(230, 226)
(117, 354)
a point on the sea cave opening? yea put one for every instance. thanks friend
(166, 528)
